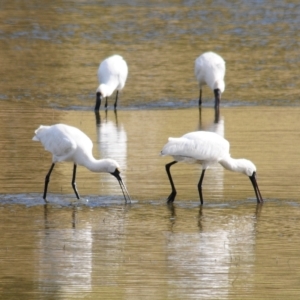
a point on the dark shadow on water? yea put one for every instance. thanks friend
(172, 210)
(200, 215)
(216, 119)
(258, 210)
(98, 117)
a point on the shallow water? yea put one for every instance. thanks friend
(100, 247)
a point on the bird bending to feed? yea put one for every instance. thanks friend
(67, 143)
(206, 148)
(112, 75)
(210, 70)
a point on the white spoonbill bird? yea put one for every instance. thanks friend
(210, 70)
(112, 75)
(67, 143)
(206, 148)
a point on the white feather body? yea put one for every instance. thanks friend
(68, 143)
(112, 75)
(210, 70)
(201, 147)
(206, 148)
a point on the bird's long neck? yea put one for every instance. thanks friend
(219, 84)
(106, 89)
(94, 165)
(231, 164)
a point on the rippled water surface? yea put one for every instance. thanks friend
(100, 247)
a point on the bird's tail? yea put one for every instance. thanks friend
(173, 146)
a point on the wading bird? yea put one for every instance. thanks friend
(112, 75)
(67, 143)
(206, 148)
(210, 70)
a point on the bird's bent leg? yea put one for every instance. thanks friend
(98, 101)
(73, 181)
(200, 186)
(217, 93)
(47, 179)
(200, 97)
(117, 94)
(172, 196)
(106, 102)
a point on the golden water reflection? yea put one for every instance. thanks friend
(230, 248)
(129, 252)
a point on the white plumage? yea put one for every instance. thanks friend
(206, 148)
(67, 143)
(194, 147)
(112, 75)
(210, 70)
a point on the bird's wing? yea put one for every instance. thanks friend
(203, 147)
(219, 69)
(113, 68)
(209, 67)
(199, 69)
(57, 141)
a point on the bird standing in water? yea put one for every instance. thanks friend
(67, 143)
(206, 148)
(210, 70)
(112, 75)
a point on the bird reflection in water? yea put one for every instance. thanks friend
(111, 139)
(172, 210)
(211, 253)
(64, 254)
(215, 124)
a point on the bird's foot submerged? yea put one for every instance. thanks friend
(171, 197)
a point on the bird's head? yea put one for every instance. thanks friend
(219, 84)
(116, 173)
(103, 90)
(246, 166)
(110, 166)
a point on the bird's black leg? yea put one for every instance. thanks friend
(217, 93)
(73, 181)
(98, 101)
(200, 186)
(172, 196)
(200, 97)
(47, 179)
(106, 102)
(117, 94)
